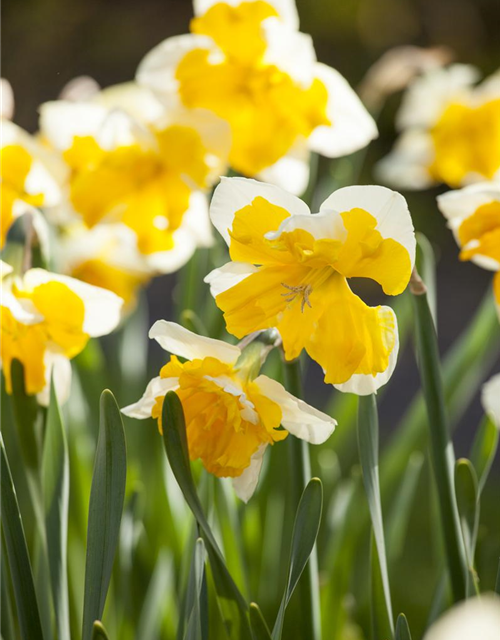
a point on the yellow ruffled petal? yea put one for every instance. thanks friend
(479, 234)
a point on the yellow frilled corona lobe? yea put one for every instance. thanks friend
(251, 94)
(227, 417)
(145, 189)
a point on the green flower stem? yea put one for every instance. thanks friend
(443, 457)
(300, 474)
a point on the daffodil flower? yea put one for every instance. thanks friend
(247, 62)
(47, 319)
(473, 618)
(231, 413)
(149, 178)
(450, 131)
(490, 398)
(289, 270)
(30, 179)
(473, 214)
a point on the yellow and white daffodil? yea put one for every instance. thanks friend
(149, 178)
(30, 179)
(473, 214)
(490, 397)
(473, 619)
(231, 412)
(450, 131)
(247, 62)
(46, 320)
(289, 270)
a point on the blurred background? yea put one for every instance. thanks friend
(46, 43)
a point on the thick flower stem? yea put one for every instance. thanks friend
(443, 458)
(300, 474)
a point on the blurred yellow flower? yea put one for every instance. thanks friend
(289, 270)
(473, 214)
(231, 413)
(47, 319)
(248, 63)
(450, 131)
(150, 178)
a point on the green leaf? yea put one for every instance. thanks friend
(305, 532)
(99, 632)
(402, 628)
(368, 455)
(426, 265)
(260, 629)
(443, 457)
(467, 493)
(17, 555)
(105, 510)
(55, 479)
(26, 413)
(484, 449)
(193, 605)
(381, 627)
(174, 438)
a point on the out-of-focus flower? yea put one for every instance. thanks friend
(231, 412)
(490, 397)
(30, 178)
(80, 89)
(473, 214)
(289, 270)
(47, 319)
(476, 618)
(450, 131)
(151, 179)
(6, 100)
(247, 63)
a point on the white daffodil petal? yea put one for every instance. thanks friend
(490, 398)
(6, 100)
(245, 484)
(328, 224)
(299, 418)
(233, 194)
(364, 385)
(473, 619)
(286, 9)
(102, 307)
(119, 129)
(5, 269)
(291, 172)
(157, 69)
(387, 206)
(156, 388)
(186, 344)
(61, 121)
(407, 165)
(58, 369)
(290, 51)
(228, 276)
(459, 204)
(137, 101)
(23, 310)
(352, 127)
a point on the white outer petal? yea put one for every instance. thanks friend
(291, 172)
(327, 224)
(289, 50)
(102, 307)
(352, 127)
(228, 276)
(157, 69)
(61, 121)
(245, 484)
(473, 619)
(387, 206)
(139, 102)
(5, 269)
(22, 309)
(186, 344)
(364, 385)
(490, 398)
(407, 165)
(459, 204)
(286, 9)
(6, 100)
(156, 387)
(57, 367)
(232, 194)
(299, 418)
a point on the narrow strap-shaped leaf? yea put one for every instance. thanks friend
(260, 629)
(381, 627)
(484, 449)
(174, 437)
(467, 492)
(99, 632)
(17, 555)
(105, 510)
(443, 457)
(194, 623)
(402, 628)
(26, 413)
(305, 532)
(55, 477)
(368, 456)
